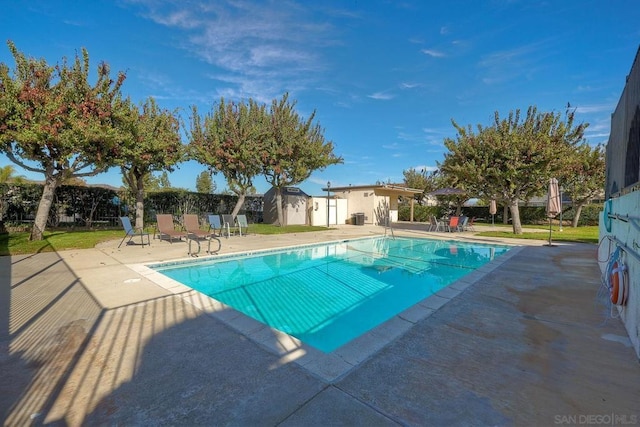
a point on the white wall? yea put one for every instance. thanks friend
(317, 208)
(629, 235)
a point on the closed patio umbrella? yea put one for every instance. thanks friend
(553, 202)
(492, 209)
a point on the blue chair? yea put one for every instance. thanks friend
(214, 224)
(131, 232)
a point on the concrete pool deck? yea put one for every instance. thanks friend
(87, 339)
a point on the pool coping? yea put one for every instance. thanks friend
(332, 366)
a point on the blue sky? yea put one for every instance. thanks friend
(385, 77)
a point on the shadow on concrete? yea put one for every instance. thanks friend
(524, 346)
(68, 361)
(47, 316)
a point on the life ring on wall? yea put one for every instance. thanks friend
(618, 283)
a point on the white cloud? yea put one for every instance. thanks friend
(262, 48)
(595, 108)
(381, 95)
(433, 53)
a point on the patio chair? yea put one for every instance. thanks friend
(470, 226)
(195, 233)
(453, 224)
(131, 232)
(241, 220)
(166, 228)
(214, 224)
(462, 223)
(229, 224)
(192, 226)
(434, 224)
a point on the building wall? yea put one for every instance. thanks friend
(317, 211)
(620, 220)
(623, 164)
(294, 208)
(626, 231)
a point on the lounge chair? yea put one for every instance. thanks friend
(470, 226)
(214, 224)
(241, 220)
(166, 228)
(453, 223)
(195, 233)
(192, 225)
(229, 224)
(131, 232)
(462, 223)
(435, 225)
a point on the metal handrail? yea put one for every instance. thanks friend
(627, 249)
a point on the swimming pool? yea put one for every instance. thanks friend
(327, 295)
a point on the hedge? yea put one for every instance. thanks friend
(528, 214)
(93, 207)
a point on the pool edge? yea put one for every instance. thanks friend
(329, 367)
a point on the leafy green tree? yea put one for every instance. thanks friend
(513, 159)
(163, 181)
(293, 149)
(53, 121)
(8, 175)
(152, 144)
(420, 180)
(229, 140)
(583, 176)
(204, 183)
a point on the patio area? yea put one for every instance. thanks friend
(85, 339)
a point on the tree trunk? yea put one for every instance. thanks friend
(505, 214)
(42, 215)
(238, 205)
(139, 202)
(515, 217)
(279, 207)
(576, 216)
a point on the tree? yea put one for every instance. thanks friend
(8, 175)
(583, 177)
(293, 149)
(152, 144)
(204, 183)
(163, 181)
(229, 140)
(419, 180)
(53, 118)
(513, 159)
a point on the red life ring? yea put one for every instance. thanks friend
(619, 286)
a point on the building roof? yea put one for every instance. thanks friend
(379, 189)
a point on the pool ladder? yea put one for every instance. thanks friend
(387, 225)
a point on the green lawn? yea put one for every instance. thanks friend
(587, 234)
(57, 240)
(18, 243)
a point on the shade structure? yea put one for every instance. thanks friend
(446, 192)
(553, 202)
(553, 199)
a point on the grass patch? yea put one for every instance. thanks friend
(274, 229)
(18, 243)
(587, 234)
(58, 240)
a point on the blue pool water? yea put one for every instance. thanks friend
(327, 295)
